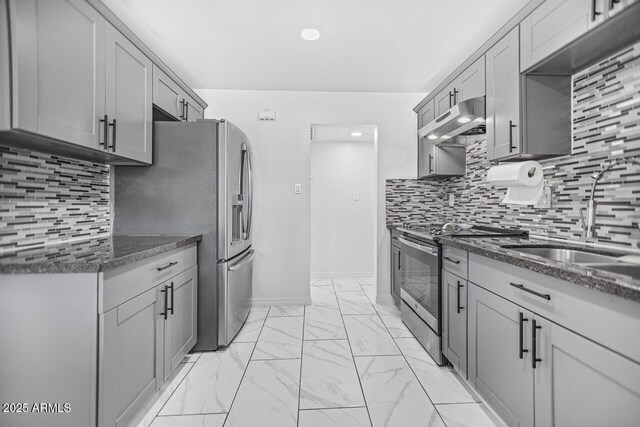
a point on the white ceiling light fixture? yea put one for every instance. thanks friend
(356, 134)
(310, 34)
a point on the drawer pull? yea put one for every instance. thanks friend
(164, 267)
(534, 344)
(531, 291)
(170, 309)
(451, 260)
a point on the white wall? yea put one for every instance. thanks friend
(342, 238)
(282, 158)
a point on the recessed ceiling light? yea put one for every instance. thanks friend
(356, 133)
(310, 34)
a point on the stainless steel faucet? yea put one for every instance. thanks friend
(589, 226)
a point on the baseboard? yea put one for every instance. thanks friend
(257, 302)
(384, 299)
(341, 274)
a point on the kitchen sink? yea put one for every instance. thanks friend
(631, 270)
(563, 254)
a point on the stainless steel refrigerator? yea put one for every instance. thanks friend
(200, 183)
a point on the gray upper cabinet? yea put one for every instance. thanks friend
(499, 367)
(444, 100)
(426, 114)
(167, 94)
(193, 110)
(131, 364)
(455, 320)
(555, 23)
(580, 383)
(471, 83)
(5, 76)
(616, 6)
(180, 330)
(503, 98)
(129, 98)
(58, 76)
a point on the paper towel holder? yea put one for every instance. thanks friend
(532, 172)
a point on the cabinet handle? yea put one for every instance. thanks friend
(531, 291)
(521, 350)
(511, 126)
(534, 344)
(105, 131)
(460, 286)
(186, 118)
(164, 267)
(164, 313)
(430, 158)
(612, 4)
(451, 260)
(455, 96)
(114, 124)
(450, 98)
(182, 103)
(170, 309)
(399, 265)
(594, 10)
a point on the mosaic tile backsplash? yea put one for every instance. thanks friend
(46, 199)
(606, 125)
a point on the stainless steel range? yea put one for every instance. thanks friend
(420, 265)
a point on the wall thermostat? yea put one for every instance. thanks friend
(267, 115)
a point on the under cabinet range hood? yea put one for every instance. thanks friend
(464, 118)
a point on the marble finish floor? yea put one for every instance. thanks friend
(342, 361)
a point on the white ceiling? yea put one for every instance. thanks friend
(366, 45)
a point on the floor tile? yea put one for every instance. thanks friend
(281, 338)
(396, 327)
(368, 336)
(465, 414)
(387, 309)
(354, 302)
(347, 417)
(208, 420)
(211, 384)
(346, 284)
(394, 396)
(167, 390)
(268, 395)
(371, 292)
(323, 323)
(329, 377)
(321, 282)
(286, 310)
(442, 385)
(253, 325)
(323, 296)
(366, 280)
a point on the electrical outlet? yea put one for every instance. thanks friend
(356, 197)
(451, 200)
(297, 189)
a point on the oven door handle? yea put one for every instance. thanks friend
(429, 250)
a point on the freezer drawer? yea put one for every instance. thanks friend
(235, 295)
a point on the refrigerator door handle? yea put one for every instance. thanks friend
(250, 201)
(238, 265)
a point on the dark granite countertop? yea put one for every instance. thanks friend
(90, 256)
(616, 284)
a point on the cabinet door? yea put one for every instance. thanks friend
(180, 330)
(427, 152)
(471, 82)
(455, 328)
(395, 274)
(495, 368)
(131, 359)
(58, 76)
(166, 93)
(444, 100)
(193, 110)
(503, 98)
(129, 98)
(556, 23)
(426, 114)
(580, 383)
(5, 69)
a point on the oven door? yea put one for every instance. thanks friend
(420, 280)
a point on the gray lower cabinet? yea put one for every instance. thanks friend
(498, 371)
(131, 358)
(581, 383)
(556, 23)
(180, 326)
(455, 311)
(129, 98)
(503, 97)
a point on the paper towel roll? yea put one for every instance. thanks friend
(520, 174)
(524, 181)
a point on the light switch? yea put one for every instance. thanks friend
(356, 197)
(297, 189)
(451, 199)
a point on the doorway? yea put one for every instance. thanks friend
(343, 201)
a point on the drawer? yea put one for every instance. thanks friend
(121, 284)
(455, 261)
(603, 318)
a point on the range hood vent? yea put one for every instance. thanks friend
(464, 118)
